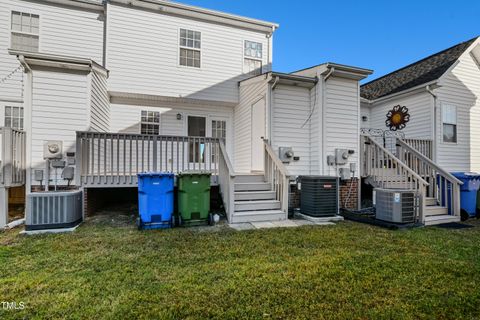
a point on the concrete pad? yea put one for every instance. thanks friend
(285, 224)
(264, 225)
(318, 220)
(45, 231)
(303, 222)
(241, 226)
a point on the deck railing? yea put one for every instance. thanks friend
(387, 171)
(226, 181)
(277, 175)
(423, 146)
(109, 159)
(443, 187)
(13, 157)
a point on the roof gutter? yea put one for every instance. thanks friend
(84, 4)
(168, 7)
(431, 84)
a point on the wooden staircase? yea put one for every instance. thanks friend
(410, 169)
(254, 197)
(255, 200)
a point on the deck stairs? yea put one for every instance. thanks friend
(255, 200)
(408, 169)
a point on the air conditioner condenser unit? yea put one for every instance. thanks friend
(397, 206)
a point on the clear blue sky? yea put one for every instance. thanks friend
(380, 35)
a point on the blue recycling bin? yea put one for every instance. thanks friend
(468, 191)
(155, 200)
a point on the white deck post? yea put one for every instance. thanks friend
(3, 207)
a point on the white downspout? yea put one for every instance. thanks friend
(435, 125)
(27, 105)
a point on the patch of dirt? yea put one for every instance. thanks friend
(117, 216)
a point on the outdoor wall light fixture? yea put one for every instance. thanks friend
(179, 116)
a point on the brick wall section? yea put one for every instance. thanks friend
(293, 197)
(352, 202)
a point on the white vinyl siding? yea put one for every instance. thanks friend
(365, 112)
(59, 109)
(250, 93)
(143, 55)
(290, 112)
(420, 108)
(461, 88)
(25, 28)
(63, 30)
(342, 119)
(100, 104)
(126, 118)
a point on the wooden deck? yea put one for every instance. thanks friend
(111, 160)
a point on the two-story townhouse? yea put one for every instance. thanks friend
(158, 85)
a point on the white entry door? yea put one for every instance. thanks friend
(258, 133)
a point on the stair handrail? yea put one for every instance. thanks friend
(277, 175)
(440, 177)
(226, 180)
(399, 162)
(422, 157)
(383, 160)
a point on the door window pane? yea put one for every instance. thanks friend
(219, 130)
(196, 128)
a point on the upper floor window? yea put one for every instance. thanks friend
(150, 122)
(449, 120)
(253, 54)
(14, 117)
(190, 46)
(25, 30)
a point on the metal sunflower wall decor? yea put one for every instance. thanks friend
(397, 118)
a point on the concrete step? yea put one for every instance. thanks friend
(254, 195)
(435, 220)
(257, 205)
(255, 186)
(431, 202)
(258, 216)
(435, 211)
(247, 178)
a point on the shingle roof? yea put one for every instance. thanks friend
(426, 70)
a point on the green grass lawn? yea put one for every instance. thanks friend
(346, 271)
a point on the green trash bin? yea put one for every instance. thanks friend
(194, 198)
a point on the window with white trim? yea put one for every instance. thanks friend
(252, 60)
(25, 31)
(14, 117)
(150, 122)
(190, 46)
(449, 121)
